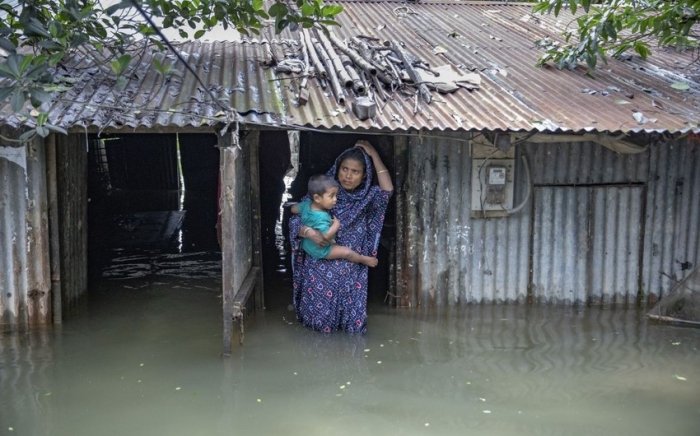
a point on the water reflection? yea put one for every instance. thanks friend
(145, 359)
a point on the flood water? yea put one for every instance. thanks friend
(142, 357)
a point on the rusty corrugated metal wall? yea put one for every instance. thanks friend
(449, 257)
(72, 211)
(600, 227)
(673, 215)
(25, 277)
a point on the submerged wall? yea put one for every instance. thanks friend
(599, 227)
(25, 275)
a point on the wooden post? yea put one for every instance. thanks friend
(228, 180)
(253, 144)
(400, 160)
(54, 226)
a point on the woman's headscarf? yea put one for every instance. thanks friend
(353, 205)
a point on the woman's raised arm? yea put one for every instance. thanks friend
(383, 176)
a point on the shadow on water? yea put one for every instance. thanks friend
(143, 358)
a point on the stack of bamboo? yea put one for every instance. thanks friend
(361, 67)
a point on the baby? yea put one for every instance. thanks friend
(314, 214)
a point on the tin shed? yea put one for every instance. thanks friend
(539, 186)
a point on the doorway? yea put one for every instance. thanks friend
(153, 206)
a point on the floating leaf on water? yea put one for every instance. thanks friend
(367, 350)
(681, 86)
(676, 343)
(379, 362)
(483, 400)
(178, 388)
(427, 424)
(486, 411)
(259, 400)
(679, 377)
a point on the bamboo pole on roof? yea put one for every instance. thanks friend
(335, 60)
(332, 76)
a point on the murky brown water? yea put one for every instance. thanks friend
(143, 359)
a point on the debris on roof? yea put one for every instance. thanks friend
(365, 68)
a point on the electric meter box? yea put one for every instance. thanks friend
(492, 187)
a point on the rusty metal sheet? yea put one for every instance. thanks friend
(25, 278)
(495, 40)
(600, 227)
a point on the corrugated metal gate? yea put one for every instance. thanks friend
(586, 243)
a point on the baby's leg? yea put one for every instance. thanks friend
(341, 252)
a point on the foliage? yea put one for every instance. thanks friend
(613, 27)
(37, 36)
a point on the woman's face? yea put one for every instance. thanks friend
(350, 174)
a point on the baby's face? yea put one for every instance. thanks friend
(328, 199)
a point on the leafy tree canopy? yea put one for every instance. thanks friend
(613, 27)
(36, 36)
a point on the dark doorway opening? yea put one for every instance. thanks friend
(279, 182)
(153, 206)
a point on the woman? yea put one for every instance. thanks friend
(332, 294)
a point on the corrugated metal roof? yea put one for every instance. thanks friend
(498, 40)
(495, 39)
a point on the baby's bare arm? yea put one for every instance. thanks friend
(335, 226)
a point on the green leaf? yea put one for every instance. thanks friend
(121, 83)
(56, 129)
(36, 27)
(27, 136)
(39, 96)
(307, 10)
(7, 45)
(330, 11)
(5, 91)
(681, 86)
(12, 63)
(17, 100)
(278, 10)
(198, 34)
(42, 131)
(120, 64)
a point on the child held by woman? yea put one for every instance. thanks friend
(314, 214)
